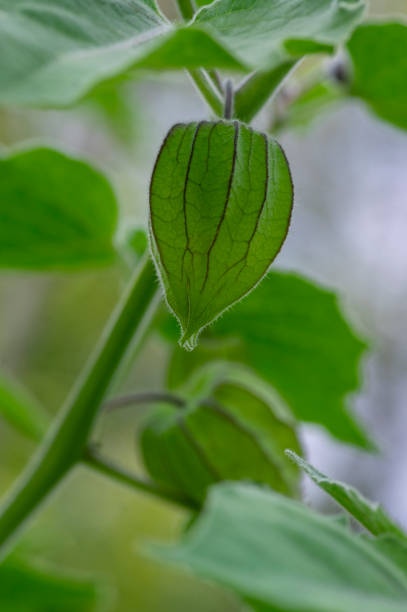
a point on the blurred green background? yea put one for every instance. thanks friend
(351, 184)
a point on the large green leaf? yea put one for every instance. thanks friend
(53, 52)
(379, 55)
(293, 333)
(233, 427)
(220, 206)
(265, 33)
(370, 515)
(279, 555)
(21, 410)
(32, 588)
(55, 212)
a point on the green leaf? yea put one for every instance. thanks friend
(21, 410)
(370, 515)
(293, 334)
(394, 548)
(137, 240)
(264, 33)
(119, 112)
(30, 588)
(234, 427)
(51, 54)
(279, 555)
(309, 106)
(55, 212)
(379, 55)
(220, 206)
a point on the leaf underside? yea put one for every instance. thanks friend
(264, 33)
(279, 555)
(53, 53)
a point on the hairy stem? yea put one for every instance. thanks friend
(208, 90)
(68, 435)
(143, 398)
(92, 458)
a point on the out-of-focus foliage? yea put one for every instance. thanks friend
(200, 3)
(294, 335)
(65, 53)
(31, 588)
(308, 106)
(51, 57)
(279, 555)
(55, 212)
(379, 57)
(395, 548)
(265, 33)
(137, 240)
(21, 410)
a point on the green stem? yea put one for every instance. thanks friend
(143, 333)
(216, 80)
(208, 90)
(63, 445)
(207, 82)
(106, 467)
(256, 90)
(147, 397)
(186, 8)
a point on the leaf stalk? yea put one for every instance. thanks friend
(93, 459)
(186, 8)
(148, 397)
(208, 90)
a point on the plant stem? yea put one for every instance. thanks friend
(216, 80)
(228, 107)
(255, 91)
(130, 357)
(95, 460)
(68, 435)
(207, 82)
(208, 90)
(186, 8)
(143, 398)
